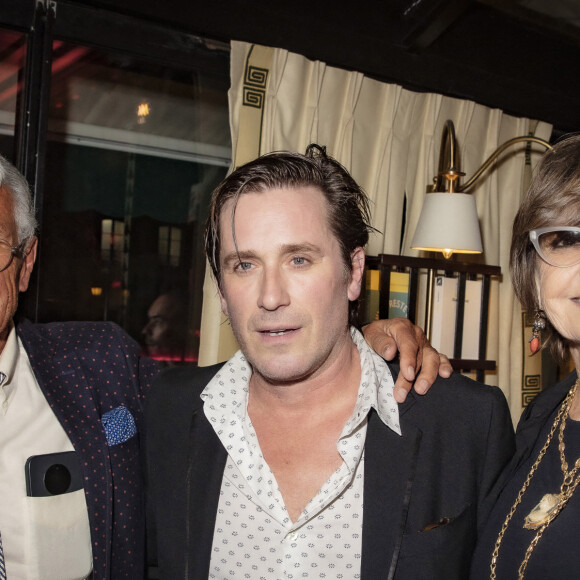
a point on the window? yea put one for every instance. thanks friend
(134, 136)
(169, 245)
(12, 54)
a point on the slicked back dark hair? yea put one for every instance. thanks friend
(347, 204)
(553, 199)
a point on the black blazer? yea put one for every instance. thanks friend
(455, 442)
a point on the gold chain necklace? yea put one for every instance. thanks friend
(551, 504)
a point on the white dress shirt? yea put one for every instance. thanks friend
(254, 537)
(44, 538)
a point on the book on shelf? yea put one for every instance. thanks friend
(444, 314)
(399, 295)
(372, 295)
(471, 320)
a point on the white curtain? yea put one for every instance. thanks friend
(389, 139)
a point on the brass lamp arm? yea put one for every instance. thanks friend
(447, 169)
(496, 154)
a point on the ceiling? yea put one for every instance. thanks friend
(518, 55)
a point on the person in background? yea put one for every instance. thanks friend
(166, 335)
(293, 458)
(532, 531)
(71, 424)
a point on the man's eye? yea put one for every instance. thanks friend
(299, 261)
(243, 266)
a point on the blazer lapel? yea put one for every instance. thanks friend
(70, 396)
(390, 461)
(61, 379)
(534, 417)
(206, 463)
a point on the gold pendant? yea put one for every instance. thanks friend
(542, 512)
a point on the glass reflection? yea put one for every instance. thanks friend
(12, 55)
(134, 152)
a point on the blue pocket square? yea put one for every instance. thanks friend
(119, 425)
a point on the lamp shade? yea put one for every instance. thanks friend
(448, 223)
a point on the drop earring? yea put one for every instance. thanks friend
(539, 325)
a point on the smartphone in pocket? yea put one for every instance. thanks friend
(53, 474)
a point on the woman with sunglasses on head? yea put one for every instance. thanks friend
(532, 533)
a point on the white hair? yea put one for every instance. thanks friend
(16, 185)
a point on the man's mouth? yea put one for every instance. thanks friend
(280, 332)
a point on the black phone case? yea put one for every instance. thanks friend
(53, 474)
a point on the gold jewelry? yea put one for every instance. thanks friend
(551, 504)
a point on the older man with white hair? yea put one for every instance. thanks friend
(70, 423)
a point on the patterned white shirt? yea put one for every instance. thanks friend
(254, 537)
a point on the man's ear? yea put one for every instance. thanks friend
(27, 265)
(357, 270)
(223, 303)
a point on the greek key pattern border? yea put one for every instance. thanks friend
(531, 387)
(255, 80)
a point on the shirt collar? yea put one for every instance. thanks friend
(375, 389)
(228, 391)
(8, 360)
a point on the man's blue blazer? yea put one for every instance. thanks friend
(86, 369)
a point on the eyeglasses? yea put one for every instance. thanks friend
(558, 246)
(8, 253)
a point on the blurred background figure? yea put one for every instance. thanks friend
(167, 337)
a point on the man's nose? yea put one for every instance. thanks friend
(273, 289)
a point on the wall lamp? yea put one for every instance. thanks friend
(448, 222)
